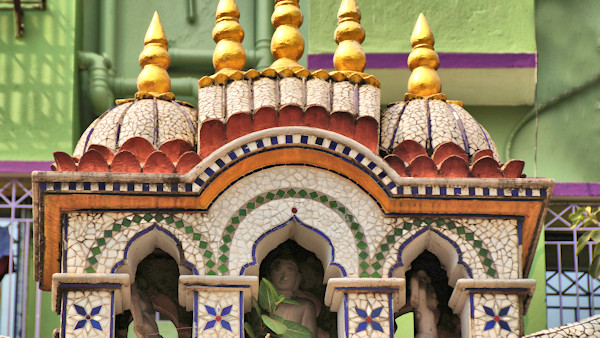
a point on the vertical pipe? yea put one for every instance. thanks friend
(108, 28)
(263, 32)
(25, 283)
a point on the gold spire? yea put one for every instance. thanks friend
(154, 59)
(349, 34)
(287, 44)
(423, 61)
(229, 55)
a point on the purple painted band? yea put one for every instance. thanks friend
(24, 166)
(577, 189)
(447, 60)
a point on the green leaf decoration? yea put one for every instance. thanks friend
(295, 330)
(249, 330)
(267, 296)
(289, 301)
(275, 325)
(280, 299)
(256, 306)
(576, 217)
(582, 241)
(595, 236)
(595, 266)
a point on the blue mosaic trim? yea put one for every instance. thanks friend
(115, 187)
(331, 146)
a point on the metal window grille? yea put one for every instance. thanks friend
(15, 222)
(571, 293)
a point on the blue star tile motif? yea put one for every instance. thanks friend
(369, 324)
(497, 319)
(87, 317)
(220, 316)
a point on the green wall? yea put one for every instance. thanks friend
(483, 26)
(37, 80)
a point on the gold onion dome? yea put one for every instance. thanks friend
(425, 116)
(154, 114)
(349, 34)
(287, 44)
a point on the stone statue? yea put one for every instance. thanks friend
(425, 303)
(286, 277)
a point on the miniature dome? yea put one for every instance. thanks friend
(158, 121)
(432, 122)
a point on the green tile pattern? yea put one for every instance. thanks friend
(336, 206)
(164, 220)
(396, 235)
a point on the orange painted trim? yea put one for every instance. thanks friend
(57, 204)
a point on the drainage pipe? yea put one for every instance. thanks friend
(101, 95)
(263, 31)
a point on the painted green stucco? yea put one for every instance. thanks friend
(484, 26)
(535, 319)
(37, 83)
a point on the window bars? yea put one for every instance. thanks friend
(571, 293)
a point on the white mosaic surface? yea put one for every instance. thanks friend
(210, 103)
(496, 303)
(291, 91)
(265, 93)
(239, 91)
(309, 212)
(97, 305)
(226, 306)
(344, 98)
(375, 306)
(361, 205)
(369, 100)
(318, 93)
(499, 237)
(85, 228)
(447, 122)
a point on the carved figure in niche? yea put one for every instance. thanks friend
(298, 275)
(155, 289)
(427, 295)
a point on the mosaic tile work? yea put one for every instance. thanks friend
(291, 91)
(308, 207)
(318, 93)
(241, 91)
(589, 327)
(342, 200)
(432, 122)
(157, 121)
(218, 314)
(369, 99)
(496, 315)
(344, 97)
(88, 314)
(265, 94)
(323, 143)
(487, 246)
(96, 242)
(368, 315)
(210, 104)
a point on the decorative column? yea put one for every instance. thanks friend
(491, 307)
(219, 303)
(88, 303)
(365, 306)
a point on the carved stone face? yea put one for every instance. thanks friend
(285, 275)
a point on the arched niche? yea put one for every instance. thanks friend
(306, 236)
(148, 244)
(447, 251)
(144, 243)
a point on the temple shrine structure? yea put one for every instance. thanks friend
(173, 207)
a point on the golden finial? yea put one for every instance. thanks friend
(349, 34)
(154, 60)
(287, 44)
(423, 61)
(228, 34)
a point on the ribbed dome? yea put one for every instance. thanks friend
(432, 122)
(155, 120)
